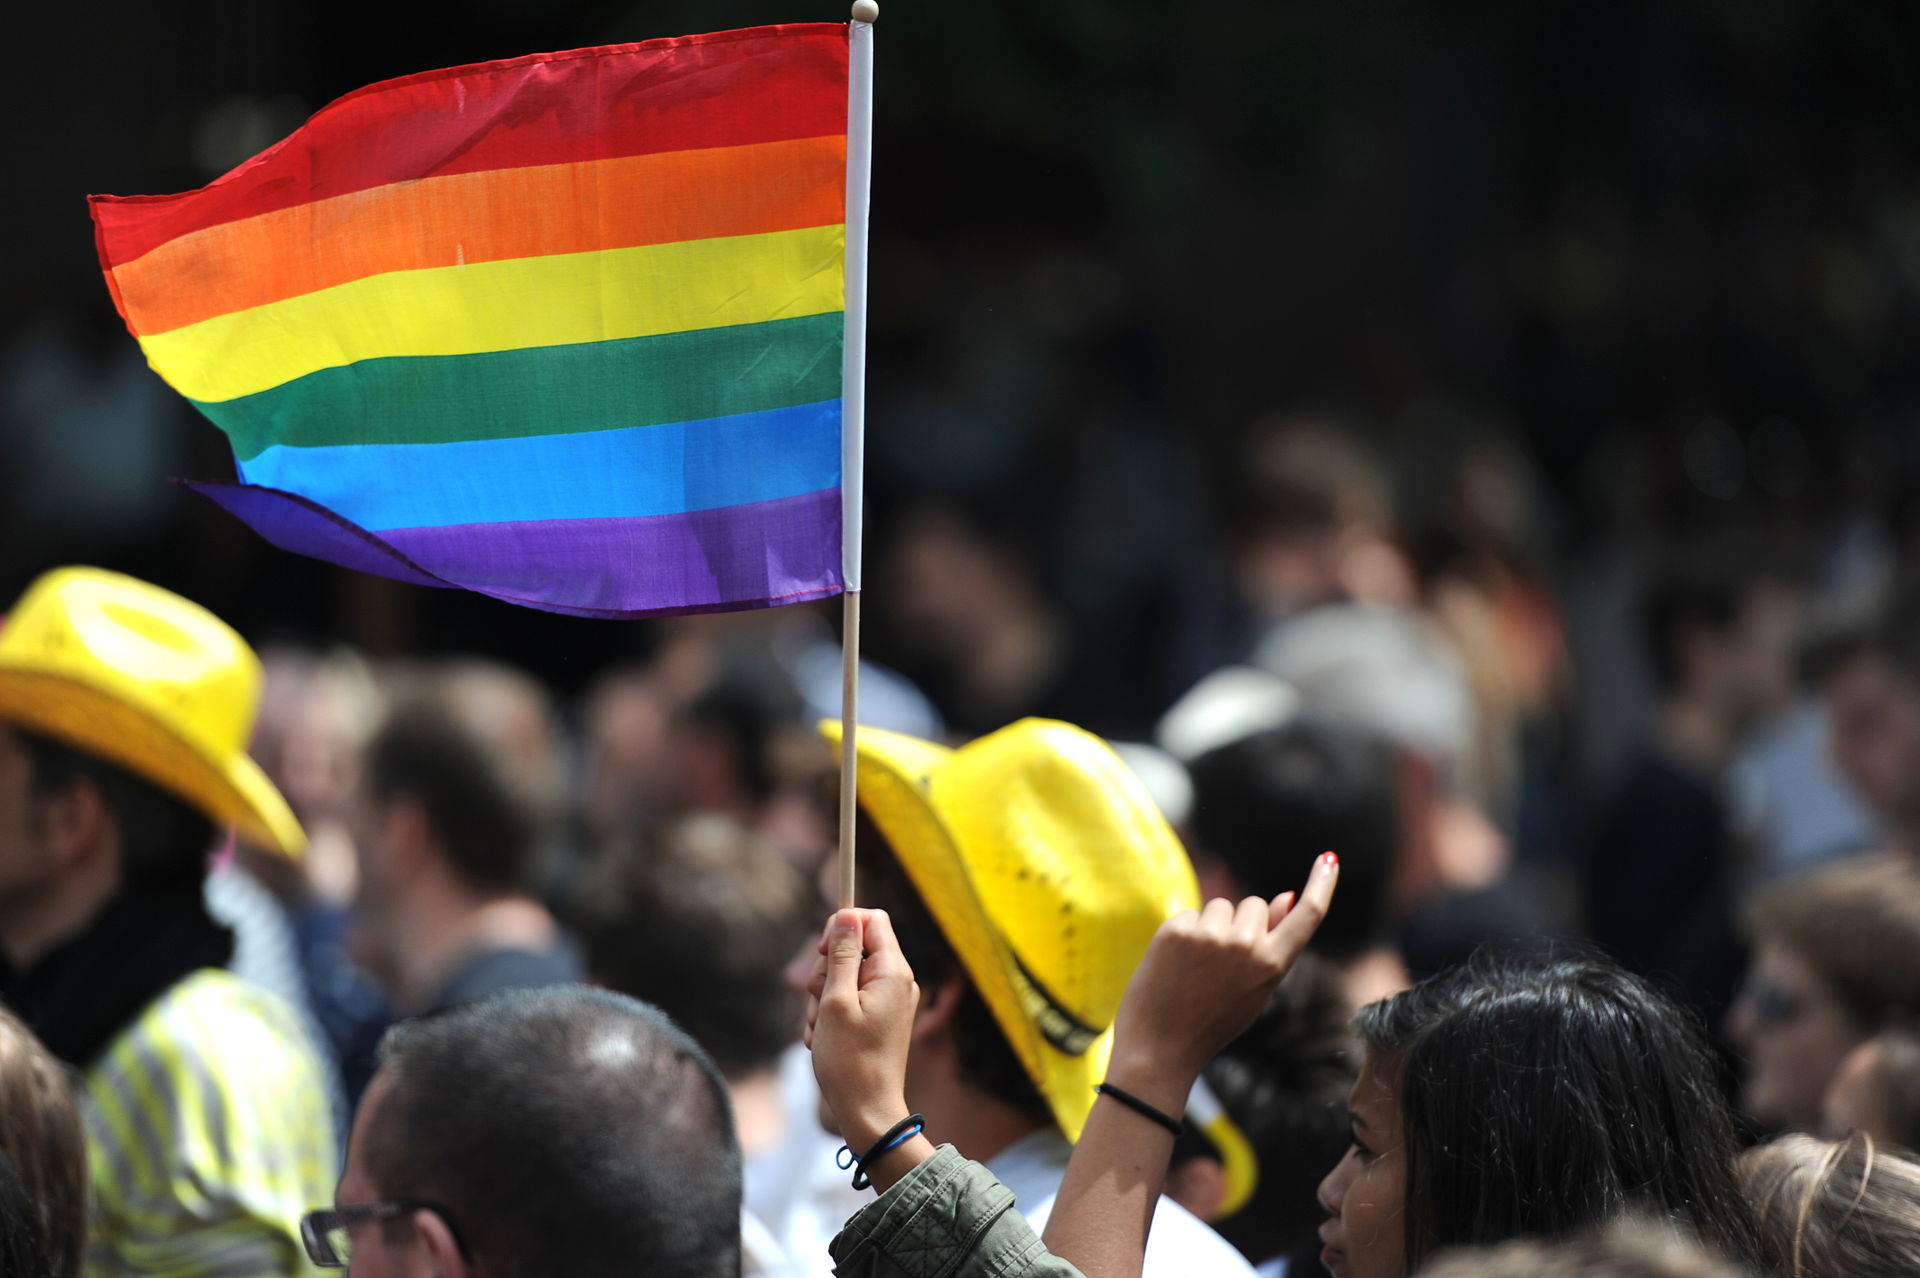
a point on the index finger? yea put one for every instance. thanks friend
(1284, 943)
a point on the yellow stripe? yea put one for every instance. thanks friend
(126, 1058)
(510, 305)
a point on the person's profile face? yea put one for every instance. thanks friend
(1366, 1193)
(373, 1254)
(1758, 657)
(374, 937)
(1873, 732)
(16, 800)
(1795, 1036)
(26, 855)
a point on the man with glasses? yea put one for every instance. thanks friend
(559, 1131)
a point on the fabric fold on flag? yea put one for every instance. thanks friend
(566, 330)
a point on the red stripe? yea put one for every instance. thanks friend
(763, 84)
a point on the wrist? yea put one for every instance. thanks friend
(890, 1168)
(869, 1123)
(1161, 1084)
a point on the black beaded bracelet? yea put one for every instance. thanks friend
(898, 1134)
(1140, 1107)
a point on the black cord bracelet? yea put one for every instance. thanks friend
(1141, 1108)
(898, 1134)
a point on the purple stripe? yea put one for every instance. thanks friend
(761, 553)
(755, 555)
(293, 523)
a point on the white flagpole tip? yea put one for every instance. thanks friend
(865, 10)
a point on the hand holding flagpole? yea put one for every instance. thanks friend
(854, 414)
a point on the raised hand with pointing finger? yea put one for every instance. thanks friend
(1205, 977)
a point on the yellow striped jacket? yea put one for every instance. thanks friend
(209, 1135)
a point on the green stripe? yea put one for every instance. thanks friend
(545, 390)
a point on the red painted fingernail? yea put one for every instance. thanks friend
(1332, 859)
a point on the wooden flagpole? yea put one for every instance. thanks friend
(853, 417)
(849, 717)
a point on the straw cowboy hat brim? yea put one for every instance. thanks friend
(232, 791)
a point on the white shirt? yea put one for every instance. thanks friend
(761, 1255)
(795, 1189)
(1180, 1244)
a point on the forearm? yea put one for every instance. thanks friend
(1106, 1203)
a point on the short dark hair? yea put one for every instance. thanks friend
(745, 711)
(1856, 923)
(1543, 1098)
(1702, 587)
(1269, 803)
(165, 842)
(701, 921)
(484, 824)
(1307, 476)
(563, 1131)
(1890, 630)
(987, 1060)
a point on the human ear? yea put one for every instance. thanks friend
(938, 1005)
(437, 1248)
(70, 820)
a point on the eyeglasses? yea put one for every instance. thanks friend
(328, 1232)
(1772, 1006)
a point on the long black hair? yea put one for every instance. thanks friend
(1543, 1097)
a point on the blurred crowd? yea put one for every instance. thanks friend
(1413, 704)
(1575, 605)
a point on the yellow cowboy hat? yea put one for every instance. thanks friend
(1048, 869)
(149, 681)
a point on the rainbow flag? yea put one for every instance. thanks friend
(566, 330)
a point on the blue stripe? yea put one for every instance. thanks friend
(632, 472)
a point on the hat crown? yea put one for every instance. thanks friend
(143, 645)
(1073, 865)
(1045, 863)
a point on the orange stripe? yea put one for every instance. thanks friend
(491, 216)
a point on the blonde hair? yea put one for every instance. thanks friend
(1630, 1247)
(40, 1132)
(1828, 1209)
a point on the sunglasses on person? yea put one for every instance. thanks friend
(328, 1232)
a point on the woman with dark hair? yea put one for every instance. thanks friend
(1504, 1100)
(1509, 1100)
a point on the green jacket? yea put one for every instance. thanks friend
(947, 1218)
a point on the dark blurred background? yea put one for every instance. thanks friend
(1581, 279)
